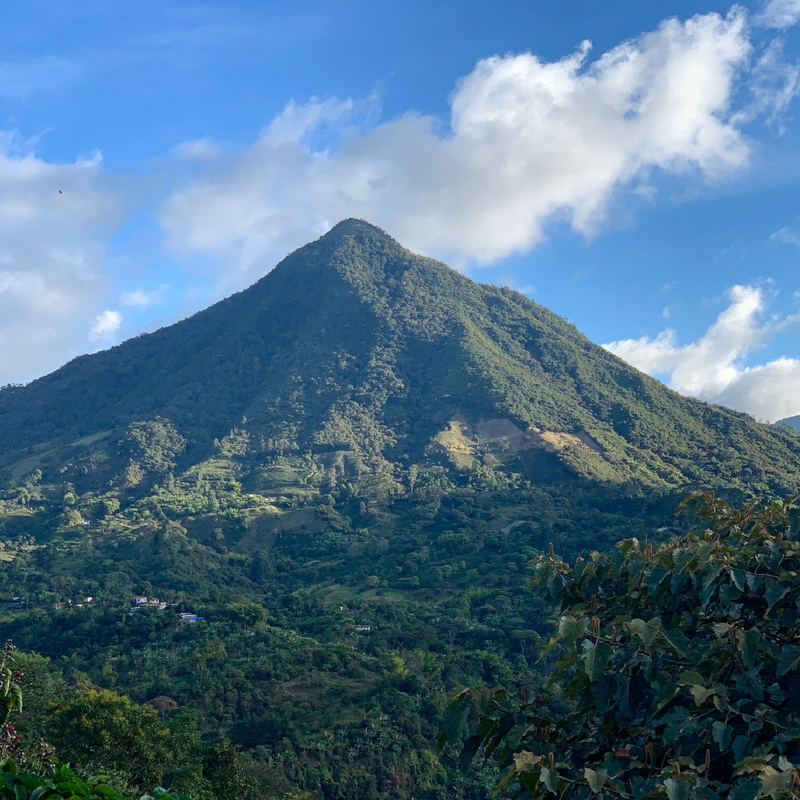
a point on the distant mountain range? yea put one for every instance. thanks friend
(793, 421)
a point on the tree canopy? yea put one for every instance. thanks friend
(678, 672)
(28, 770)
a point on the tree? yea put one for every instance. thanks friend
(186, 771)
(72, 517)
(15, 783)
(224, 767)
(41, 687)
(245, 614)
(155, 444)
(525, 638)
(10, 691)
(133, 475)
(102, 731)
(12, 748)
(413, 472)
(110, 507)
(679, 674)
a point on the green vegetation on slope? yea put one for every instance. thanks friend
(344, 471)
(353, 345)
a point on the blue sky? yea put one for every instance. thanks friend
(646, 188)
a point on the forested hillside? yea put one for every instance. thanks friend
(343, 472)
(353, 345)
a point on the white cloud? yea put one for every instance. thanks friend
(106, 325)
(779, 14)
(785, 236)
(54, 220)
(528, 141)
(198, 150)
(773, 84)
(712, 368)
(140, 298)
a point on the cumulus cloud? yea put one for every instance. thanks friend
(106, 325)
(712, 368)
(527, 141)
(779, 14)
(54, 219)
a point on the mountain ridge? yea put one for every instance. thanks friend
(352, 343)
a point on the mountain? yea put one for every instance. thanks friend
(794, 422)
(357, 351)
(345, 470)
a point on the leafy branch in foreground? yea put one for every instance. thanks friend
(678, 672)
(63, 783)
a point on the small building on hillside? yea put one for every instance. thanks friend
(145, 602)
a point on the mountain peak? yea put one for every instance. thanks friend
(353, 226)
(358, 230)
(355, 346)
(355, 254)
